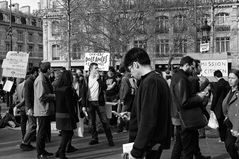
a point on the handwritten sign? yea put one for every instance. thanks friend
(210, 66)
(102, 59)
(8, 86)
(15, 64)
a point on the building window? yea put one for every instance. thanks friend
(162, 47)
(30, 48)
(222, 44)
(140, 44)
(34, 22)
(162, 24)
(180, 46)
(55, 4)
(23, 20)
(19, 47)
(76, 51)
(40, 48)
(55, 52)
(7, 47)
(40, 38)
(30, 37)
(20, 36)
(179, 24)
(1, 17)
(55, 28)
(222, 19)
(140, 25)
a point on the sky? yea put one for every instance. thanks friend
(31, 3)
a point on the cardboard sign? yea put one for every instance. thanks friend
(204, 47)
(8, 86)
(102, 59)
(210, 66)
(15, 64)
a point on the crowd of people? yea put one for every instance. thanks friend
(149, 105)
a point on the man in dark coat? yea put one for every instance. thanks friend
(150, 116)
(29, 102)
(183, 97)
(219, 91)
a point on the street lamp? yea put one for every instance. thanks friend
(10, 24)
(205, 32)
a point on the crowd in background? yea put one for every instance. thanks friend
(145, 102)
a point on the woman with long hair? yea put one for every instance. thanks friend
(66, 113)
(230, 108)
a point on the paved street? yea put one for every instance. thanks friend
(10, 140)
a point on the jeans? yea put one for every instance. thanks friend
(186, 144)
(100, 110)
(66, 136)
(230, 144)
(31, 131)
(222, 128)
(44, 123)
(23, 122)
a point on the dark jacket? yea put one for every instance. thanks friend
(219, 91)
(183, 96)
(102, 88)
(152, 114)
(29, 92)
(125, 92)
(66, 108)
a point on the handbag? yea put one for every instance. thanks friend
(213, 123)
(192, 118)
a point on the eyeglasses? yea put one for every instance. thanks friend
(130, 67)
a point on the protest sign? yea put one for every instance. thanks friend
(8, 86)
(210, 66)
(15, 64)
(102, 59)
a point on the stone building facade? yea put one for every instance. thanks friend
(26, 33)
(175, 33)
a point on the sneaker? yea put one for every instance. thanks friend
(25, 147)
(93, 142)
(111, 143)
(42, 157)
(71, 149)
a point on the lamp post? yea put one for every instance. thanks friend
(9, 95)
(204, 46)
(10, 25)
(69, 35)
(205, 32)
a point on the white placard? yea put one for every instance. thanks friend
(15, 64)
(8, 86)
(102, 59)
(210, 66)
(204, 47)
(127, 147)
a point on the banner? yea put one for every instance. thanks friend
(15, 64)
(102, 59)
(210, 66)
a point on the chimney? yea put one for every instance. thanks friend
(4, 5)
(25, 9)
(15, 7)
(39, 5)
